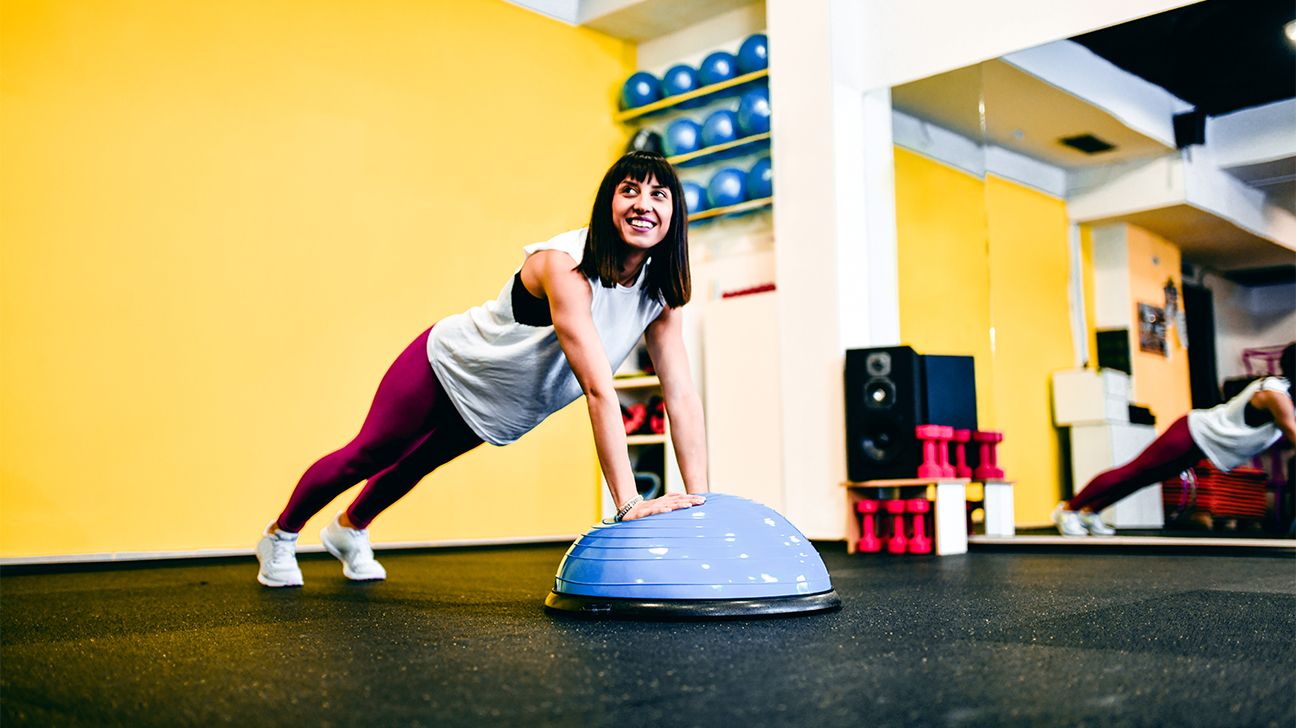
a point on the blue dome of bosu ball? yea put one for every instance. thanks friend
(730, 557)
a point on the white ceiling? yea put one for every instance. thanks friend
(1022, 113)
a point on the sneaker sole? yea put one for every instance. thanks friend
(346, 570)
(275, 583)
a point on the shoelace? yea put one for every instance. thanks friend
(360, 542)
(282, 551)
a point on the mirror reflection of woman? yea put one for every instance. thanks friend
(1229, 435)
(574, 310)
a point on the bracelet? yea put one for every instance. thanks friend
(630, 504)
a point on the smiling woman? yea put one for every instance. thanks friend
(569, 316)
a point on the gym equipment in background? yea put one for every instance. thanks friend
(726, 187)
(760, 180)
(753, 55)
(695, 197)
(892, 390)
(682, 136)
(730, 557)
(720, 127)
(640, 89)
(645, 140)
(717, 67)
(678, 79)
(754, 112)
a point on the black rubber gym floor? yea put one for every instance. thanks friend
(459, 637)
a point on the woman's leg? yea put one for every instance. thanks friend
(1171, 453)
(398, 422)
(450, 438)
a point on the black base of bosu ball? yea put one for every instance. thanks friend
(729, 558)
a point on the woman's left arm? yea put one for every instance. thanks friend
(1280, 408)
(665, 338)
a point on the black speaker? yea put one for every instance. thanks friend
(882, 409)
(949, 394)
(890, 391)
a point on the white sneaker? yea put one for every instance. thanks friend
(1068, 522)
(1094, 524)
(351, 547)
(277, 553)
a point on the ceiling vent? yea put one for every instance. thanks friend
(1087, 143)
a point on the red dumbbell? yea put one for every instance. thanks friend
(869, 542)
(896, 543)
(633, 417)
(959, 443)
(988, 468)
(942, 451)
(929, 435)
(918, 508)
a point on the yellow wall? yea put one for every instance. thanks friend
(1030, 308)
(941, 229)
(1160, 382)
(222, 220)
(980, 254)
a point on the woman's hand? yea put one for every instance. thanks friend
(664, 504)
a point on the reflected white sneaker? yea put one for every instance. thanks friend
(351, 547)
(277, 553)
(1068, 522)
(1094, 524)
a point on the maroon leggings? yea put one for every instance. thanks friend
(412, 429)
(1170, 454)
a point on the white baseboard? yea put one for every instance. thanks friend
(125, 556)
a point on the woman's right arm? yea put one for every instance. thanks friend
(569, 305)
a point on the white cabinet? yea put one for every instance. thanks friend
(745, 451)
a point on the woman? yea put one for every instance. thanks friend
(1229, 435)
(571, 314)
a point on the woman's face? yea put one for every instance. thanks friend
(641, 212)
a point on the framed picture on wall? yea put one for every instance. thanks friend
(1152, 329)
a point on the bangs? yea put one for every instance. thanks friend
(641, 168)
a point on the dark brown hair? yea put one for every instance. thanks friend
(668, 275)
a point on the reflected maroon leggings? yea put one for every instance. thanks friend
(1170, 454)
(412, 429)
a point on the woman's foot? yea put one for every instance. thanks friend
(1094, 524)
(351, 547)
(277, 552)
(1068, 523)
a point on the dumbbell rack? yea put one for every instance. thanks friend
(949, 514)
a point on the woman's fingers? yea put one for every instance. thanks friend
(664, 504)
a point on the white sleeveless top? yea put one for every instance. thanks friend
(504, 377)
(1223, 434)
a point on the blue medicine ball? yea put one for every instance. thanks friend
(717, 67)
(754, 112)
(726, 187)
(683, 136)
(640, 89)
(695, 197)
(719, 128)
(754, 54)
(760, 180)
(679, 79)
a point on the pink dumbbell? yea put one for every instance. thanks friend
(869, 542)
(988, 468)
(960, 441)
(919, 543)
(942, 451)
(896, 542)
(930, 436)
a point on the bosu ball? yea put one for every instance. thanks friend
(730, 557)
